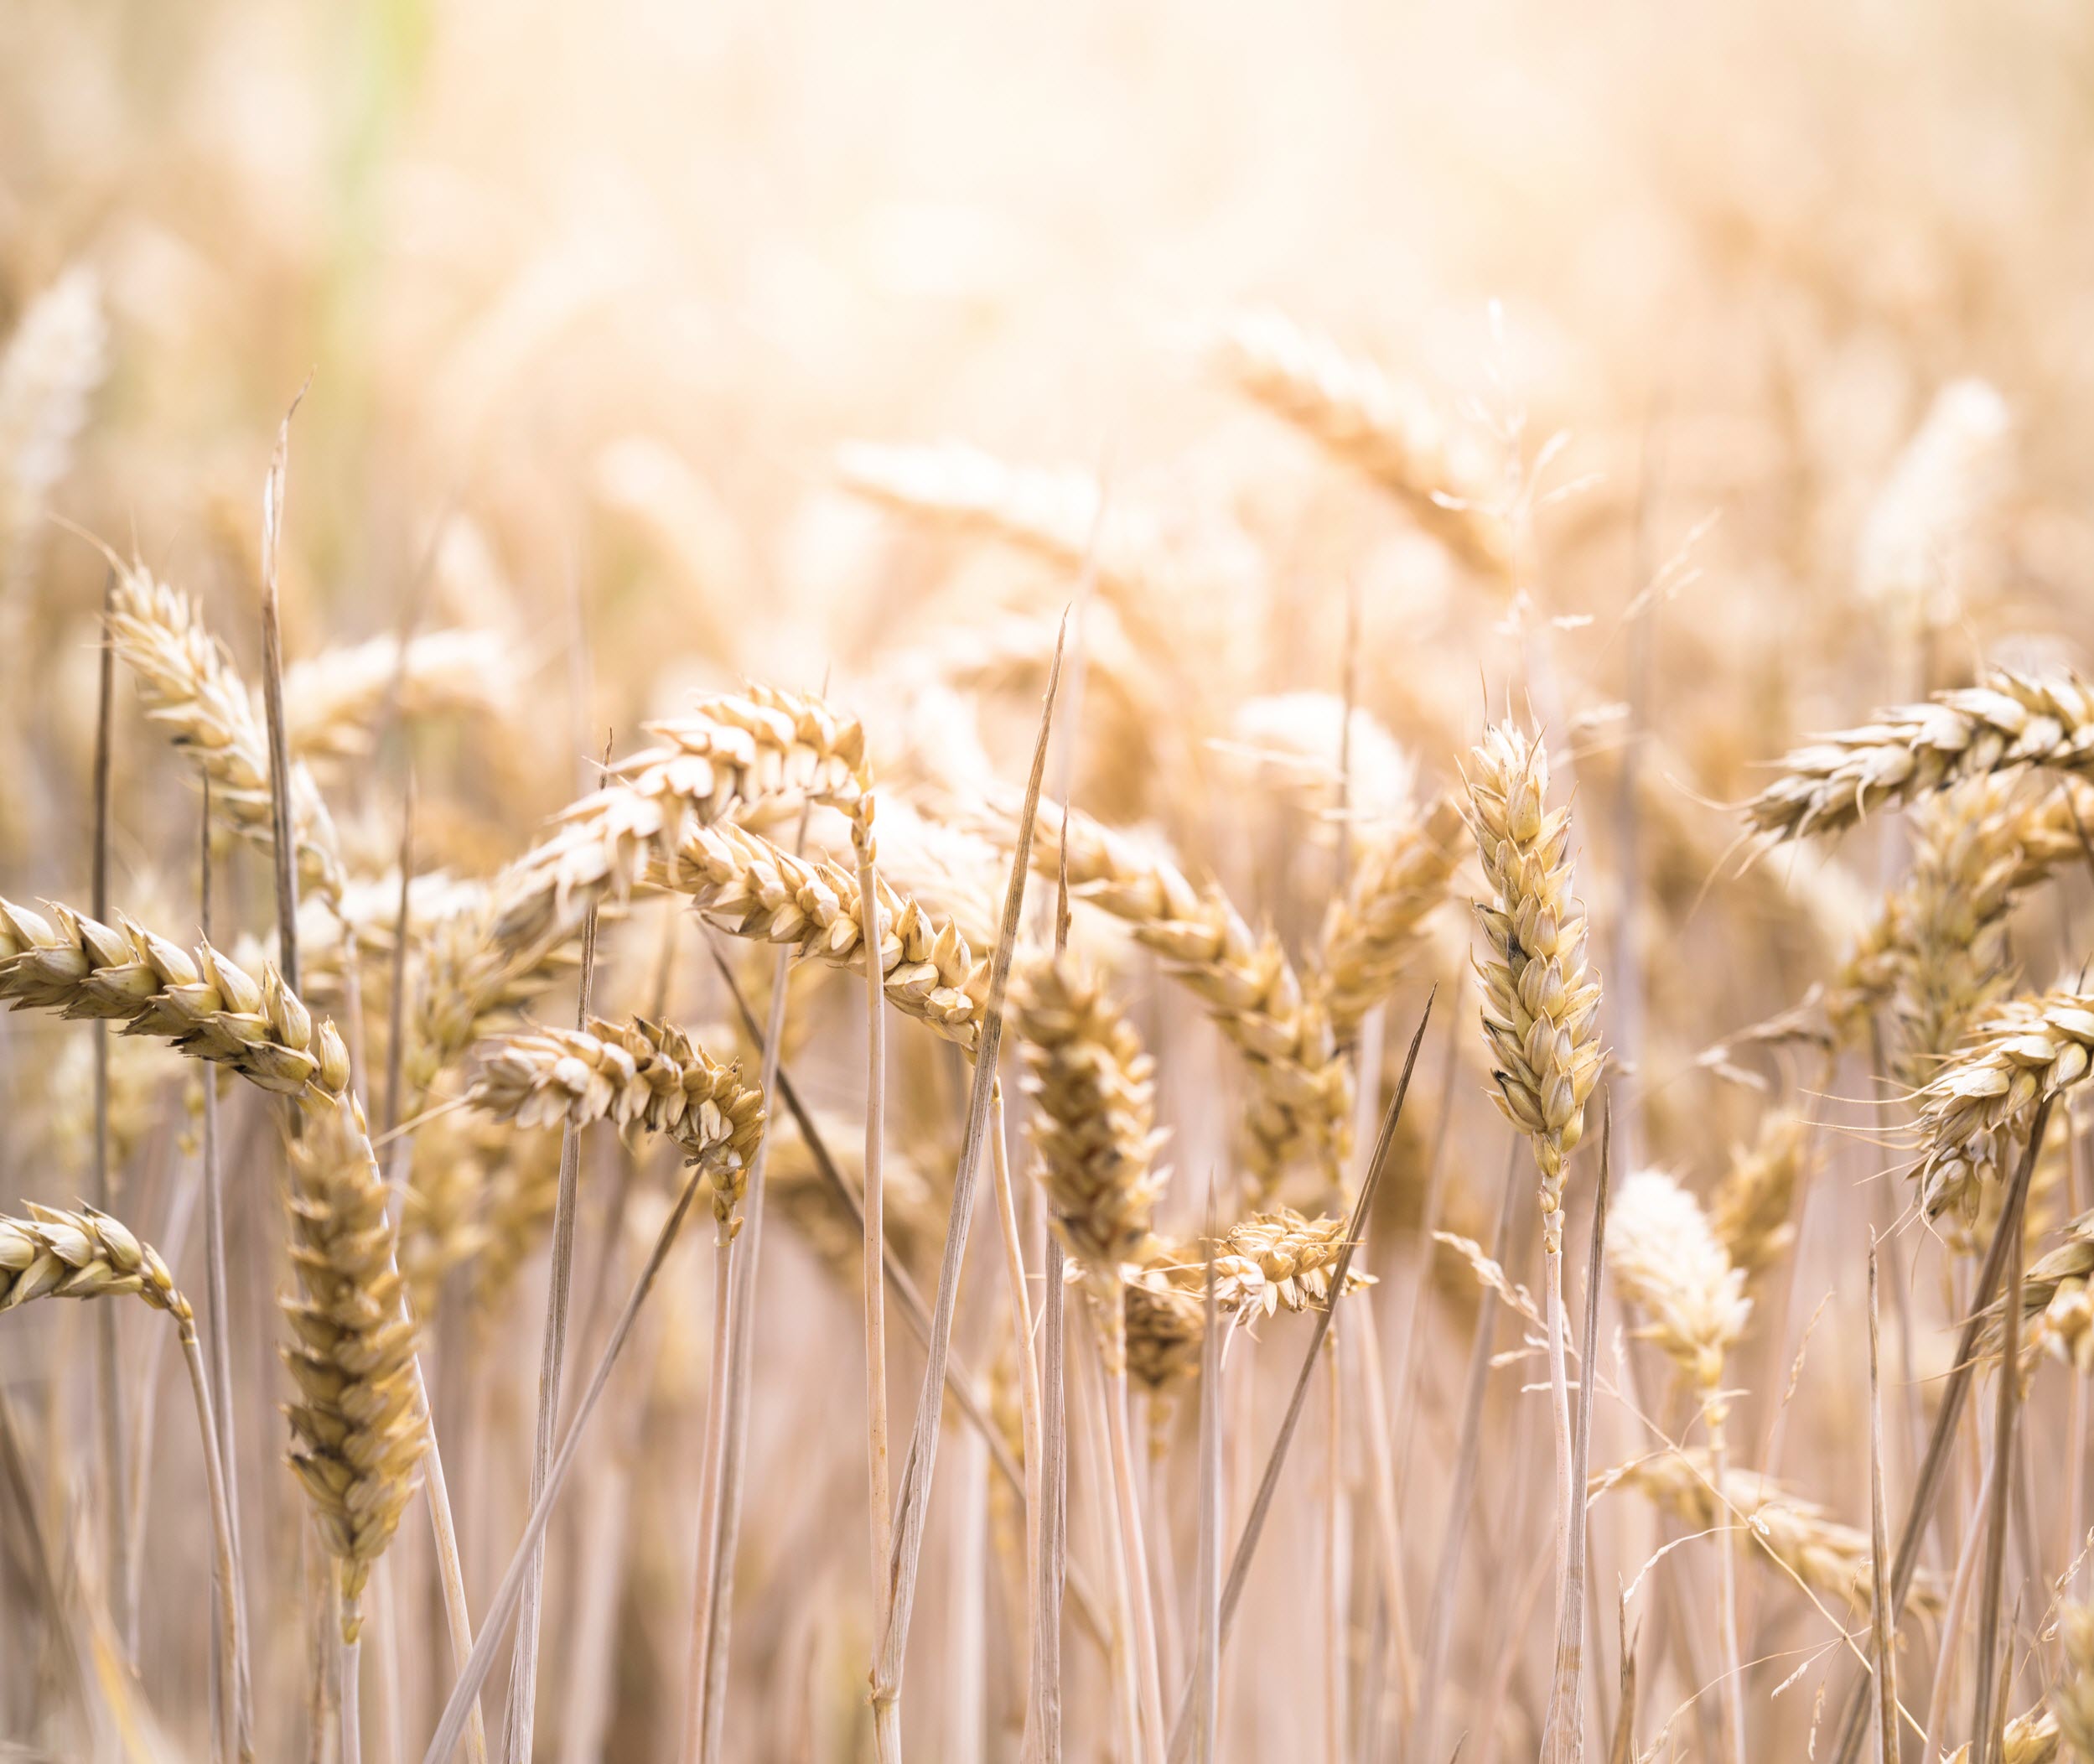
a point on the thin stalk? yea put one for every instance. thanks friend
(1276, 1460)
(352, 1702)
(960, 1383)
(1944, 1687)
(1879, 1541)
(109, 1410)
(1560, 1419)
(1053, 1492)
(1989, 1717)
(1022, 1329)
(1566, 1721)
(1109, 1321)
(708, 1494)
(719, 1611)
(1334, 1564)
(458, 1615)
(217, 1331)
(1955, 1390)
(911, 1509)
(1387, 1528)
(481, 1661)
(1439, 1623)
(389, 1686)
(1733, 1665)
(881, 1531)
(1207, 1660)
(232, 1625)
(523, 1671)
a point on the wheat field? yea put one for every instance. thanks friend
(1138, 882)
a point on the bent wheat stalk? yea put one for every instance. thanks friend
(89, 1255)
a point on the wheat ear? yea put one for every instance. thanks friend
(1388, 431)
(191, 689)
(1666, 1259)
(730, 753)
(1302, 1103)
(2010, 720)
(87, 1254)
(1376, 929)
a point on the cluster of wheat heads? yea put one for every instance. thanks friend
(1216, 1455)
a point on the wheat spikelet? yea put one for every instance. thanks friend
(2072, 1698)
(1166, 1325)
(333, 701)
(452, 1158)
(190, 687)
(523, 1186)
(2032, 1738)
(1375, 931)
(1302, 1103)
(747, 885)
(1926, 534)
(1278, 1259)
(54, 360)
(206, 1005)
(357, 1434)
(1668, 1261)
(2057, 1301)
(1826, 1556)
(469, 985)
(2010, 720)
(1972, 1111)
(81, 1255)
(1541, 997)
(734, 751)
(1095, 1124)
(1750, 1213)
(1391, 432)
(639, 1075)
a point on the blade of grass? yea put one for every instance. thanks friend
(109, 1409)
(1566, 1713)
(1439, 1620)
(913, 1500)
(1879, 1543)
(1989, 1718)
(1276, 1461)
(1934, 1467)
(451, 1726)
